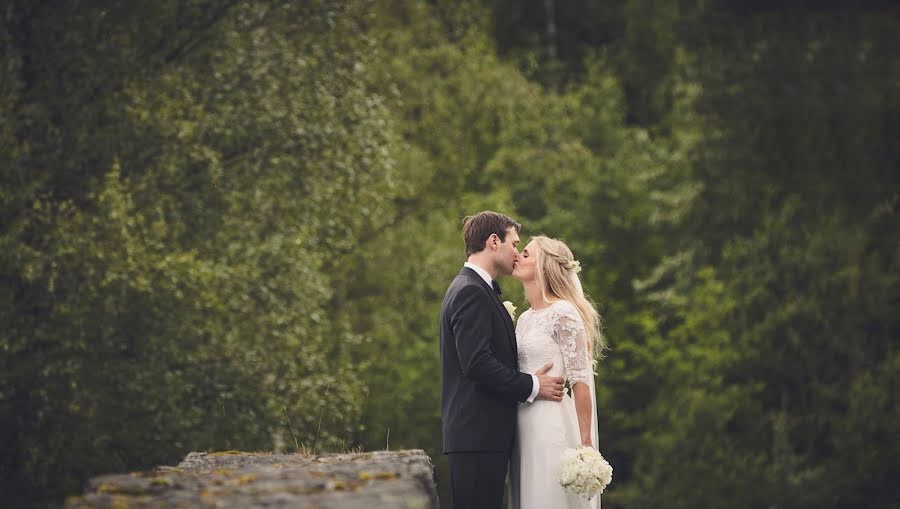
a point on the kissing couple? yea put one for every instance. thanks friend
(504, 400)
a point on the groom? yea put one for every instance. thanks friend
(480, 382)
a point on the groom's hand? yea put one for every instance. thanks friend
(551, 387)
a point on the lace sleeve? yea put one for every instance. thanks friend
(572, 338)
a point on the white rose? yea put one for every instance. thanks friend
(510, 309)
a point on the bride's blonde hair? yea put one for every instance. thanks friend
(557, 270)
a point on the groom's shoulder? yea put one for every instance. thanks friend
(465, 282)
(459, 281)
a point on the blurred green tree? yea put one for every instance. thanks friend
(179, 181)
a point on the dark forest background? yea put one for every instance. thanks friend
(229, 224)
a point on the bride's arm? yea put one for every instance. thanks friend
(573, 343)
(584, 409)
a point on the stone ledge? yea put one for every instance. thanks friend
(232, 480)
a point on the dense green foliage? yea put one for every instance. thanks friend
(229, 225)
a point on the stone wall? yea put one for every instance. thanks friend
(233, 480)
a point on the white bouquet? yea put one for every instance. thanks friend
(584, 472)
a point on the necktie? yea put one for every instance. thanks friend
(496, 286)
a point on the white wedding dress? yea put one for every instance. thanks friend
(546, 428)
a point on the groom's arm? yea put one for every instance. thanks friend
(472, 333)
(535, 388)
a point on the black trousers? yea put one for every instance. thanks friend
(477, 479)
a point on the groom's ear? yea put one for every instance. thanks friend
(492, 242)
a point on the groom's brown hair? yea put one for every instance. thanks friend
(477, 229)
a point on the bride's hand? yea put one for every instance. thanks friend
(586, 442)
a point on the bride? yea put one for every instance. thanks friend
(564, 328)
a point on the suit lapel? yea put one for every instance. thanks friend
(510, 329)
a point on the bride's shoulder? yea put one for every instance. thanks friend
(552, 312)
(565, 306)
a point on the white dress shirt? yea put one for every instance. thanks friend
(535, 387)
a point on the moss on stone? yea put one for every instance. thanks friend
(161, 481)
(119, 502)
(367, 475)
(114, 489)
(246, 479)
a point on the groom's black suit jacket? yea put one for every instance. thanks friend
(480, 380)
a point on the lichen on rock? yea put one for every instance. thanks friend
(230, 479)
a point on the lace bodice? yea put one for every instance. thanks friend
(553, 333)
